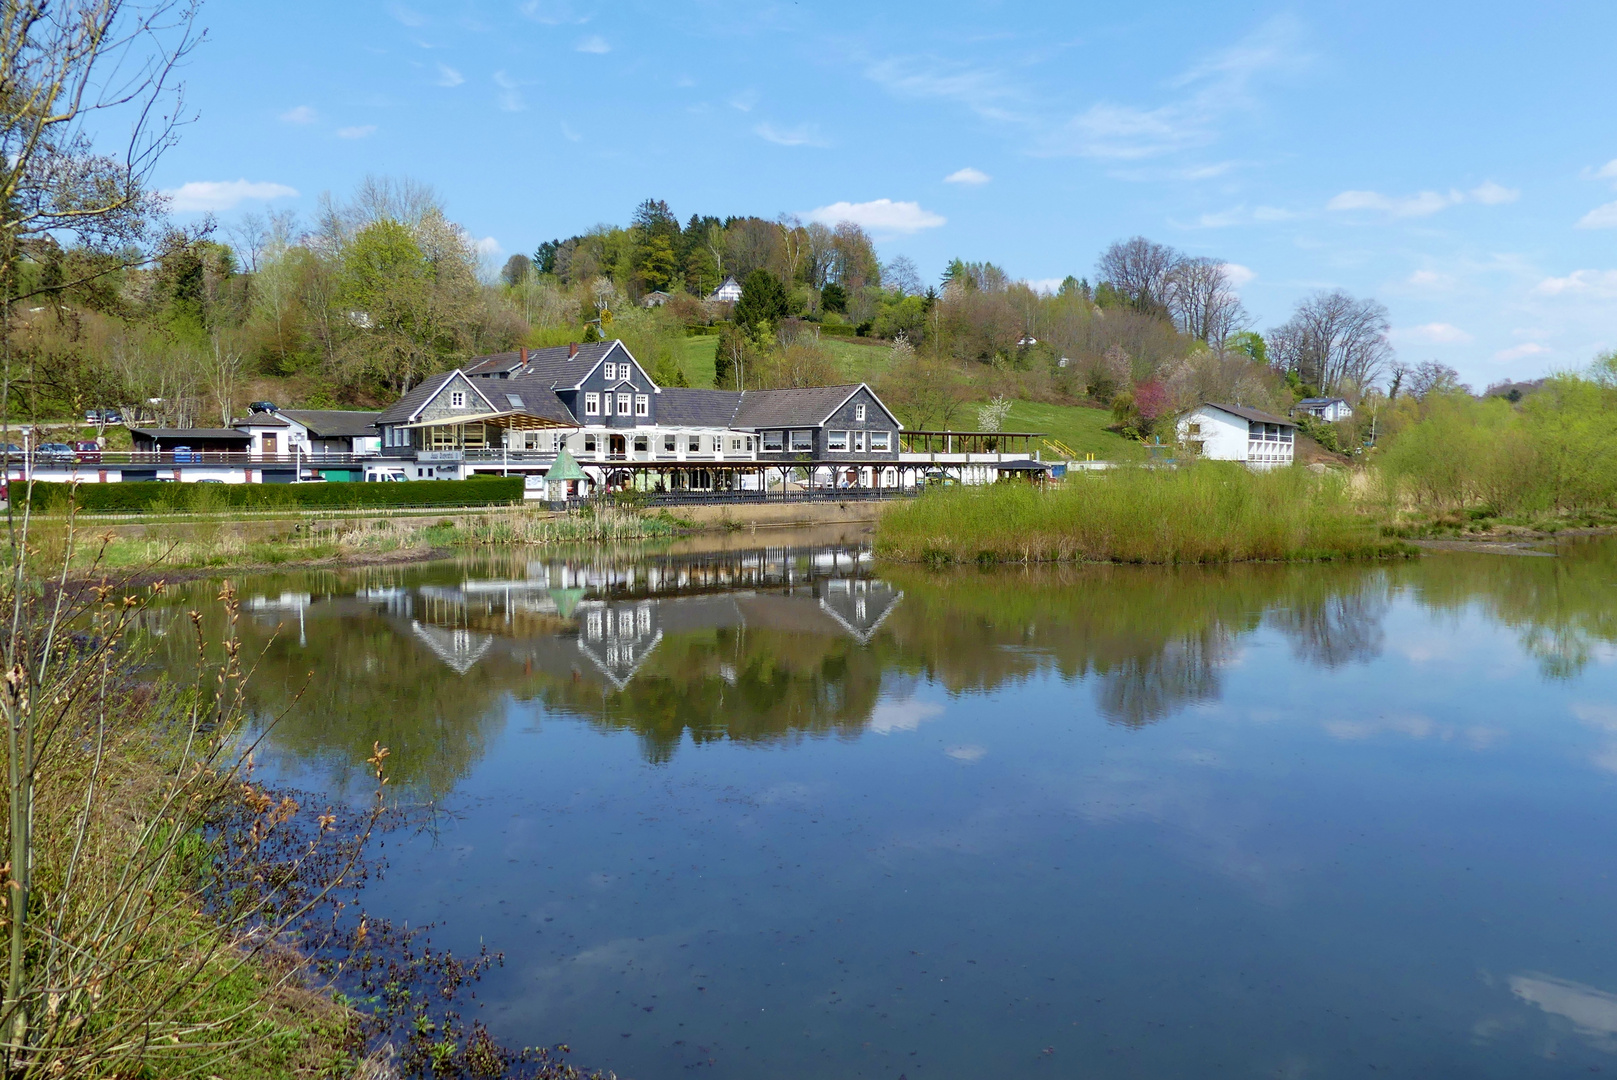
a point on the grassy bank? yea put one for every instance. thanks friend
(227, 544)
(1204, 514)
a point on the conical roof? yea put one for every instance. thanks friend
(565, 468)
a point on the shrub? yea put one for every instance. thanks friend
(149, 496)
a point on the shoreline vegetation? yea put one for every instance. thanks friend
(1201, 514)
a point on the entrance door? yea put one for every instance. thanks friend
(617, 447)
(271, 447)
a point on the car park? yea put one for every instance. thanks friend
(54, 451)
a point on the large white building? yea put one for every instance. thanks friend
(1236, 433)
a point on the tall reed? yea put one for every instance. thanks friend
(1205, 513)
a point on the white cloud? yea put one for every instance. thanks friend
(1240, 215)
(968, 175)
(1239, 276)
(407, 16)
(551, 12)
(569, 133)
(302, 114)
(1521, 352)
(1491, 194)
(879, 215)
(1047, 285)
(744, 101)
(488, 247)
(358, 132)
(1591, 1011)
(801, 135)
(1580, 283)
(1601, 217)
(510, 96)
(201, 195)
(1436, 333)
(1425, 203)
(1430, 279)
(979, 89)
(1608, 171)
(448, 76)
(969, 752)
(595, 43)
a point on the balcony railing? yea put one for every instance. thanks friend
(115, 458)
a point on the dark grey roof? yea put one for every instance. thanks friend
(554, 367)
(263, 419)
(1022, 465)
(1245, 413)
(212, 433)
(809, 406)
(334, 423)
(535, 396)
(1321, 401)
(401, 410)
(678, 406)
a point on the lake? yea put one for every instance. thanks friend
(781, 811)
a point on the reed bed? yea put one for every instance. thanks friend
(1202, 514)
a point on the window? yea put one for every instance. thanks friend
(695, 446)
(859, 413)
(735, 446)
(642, 404)
(623, 404)
(1193, 429)
(774, 440)
(641, 444)
(592, 404)
(606, 404)
(556, 442)
(859, 442)
(881, 441)
(457, 399)
(515, 401)
(589, 444)
(668, 444)
(836, 440)
(803, 441)
(611, 372)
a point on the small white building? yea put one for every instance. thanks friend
(1330, 409)
(1237, 433)
(728, 292)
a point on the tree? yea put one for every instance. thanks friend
(1250, 343)
(762, 306)
(924, 390)
(1141, 271)
(516, 270)
(730, 358)
(1431, 377)
(901, 275)
(1203, 301)
(1333, 341)
(834, 298)
(853, 257)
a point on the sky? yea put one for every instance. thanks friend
(1457, 162)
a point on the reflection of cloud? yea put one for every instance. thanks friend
(1592, 1012)
(1413, 726)
(1596, 714)
(906, 715)
(967, 753)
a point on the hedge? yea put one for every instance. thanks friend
(142, 495)
(837, 329)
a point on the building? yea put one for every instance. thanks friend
(655, 298)
(188, 440)
(728, 292)
(1330, 409)
(1236, 433)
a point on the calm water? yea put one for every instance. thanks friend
(783, 812)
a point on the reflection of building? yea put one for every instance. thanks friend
(859, 605)
(617, 638)
(458, 648)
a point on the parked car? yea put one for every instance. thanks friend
(10, 449)
(103, 416)
(185, 453)
(262, 406)
(54, 451)
(88, 451)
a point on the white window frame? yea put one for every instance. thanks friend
(859, 441)
(590, 443)
(611, 372)
(592, 404)
(670, 443)
(774, 442)
(802, 442)
(606, 404)
(881, 442)
(833, 438)
(642, 404)
(642, 444)
(695, 446)
(859, 412)
(623, 405)
(735, 445)
(457, 399)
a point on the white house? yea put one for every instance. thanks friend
(728, 292)
(1237, 433)
(1330, 409)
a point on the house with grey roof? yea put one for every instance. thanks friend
(1236, 433)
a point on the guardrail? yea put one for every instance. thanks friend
(187, 457)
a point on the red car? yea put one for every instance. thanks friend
(88, 451)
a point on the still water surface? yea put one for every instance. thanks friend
(784, 812)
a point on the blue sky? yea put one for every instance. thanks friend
(1456, 161)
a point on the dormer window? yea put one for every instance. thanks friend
(611, 372)
(457, 399)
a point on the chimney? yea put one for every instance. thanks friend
(572, 349)
(522, 355)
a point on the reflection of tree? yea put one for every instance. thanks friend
(1335, 627)
(1144, 689)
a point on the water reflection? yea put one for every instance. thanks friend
(770, 643)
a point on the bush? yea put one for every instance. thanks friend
(148, 496)
(837, 329)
